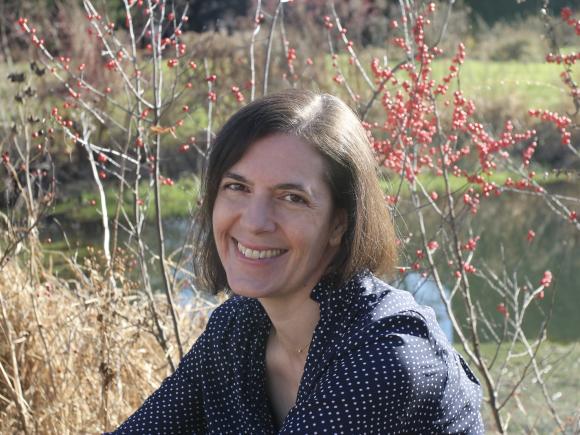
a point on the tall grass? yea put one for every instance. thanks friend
(79, 355)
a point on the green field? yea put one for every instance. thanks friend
(492, 85)
(529, 85)
(433, 183)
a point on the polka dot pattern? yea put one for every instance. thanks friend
(378, 364)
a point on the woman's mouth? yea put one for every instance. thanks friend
(256, 254)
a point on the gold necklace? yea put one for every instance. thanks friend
(302, 349)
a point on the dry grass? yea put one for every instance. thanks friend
(79, 355)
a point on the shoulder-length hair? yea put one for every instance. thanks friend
(335, 131)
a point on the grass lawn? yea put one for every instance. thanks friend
(531, 85)
(509, 87)
(432, 183)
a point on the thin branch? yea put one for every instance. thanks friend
(158, 80)
(351, 51)
(269, 49)
(102, 198)
(258, 21)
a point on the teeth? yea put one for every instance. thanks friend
(252, 253)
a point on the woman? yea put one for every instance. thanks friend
(294, 224)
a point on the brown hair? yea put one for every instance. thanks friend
(333, 129)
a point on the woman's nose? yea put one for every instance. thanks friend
(257, 216)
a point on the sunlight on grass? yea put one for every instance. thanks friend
(533, 85)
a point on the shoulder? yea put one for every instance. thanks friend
(382, 310)
(233, 306)
(236, 314)
(389, 320)
(393, 333)
(401, 344)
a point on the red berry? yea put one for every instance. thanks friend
(566, 13)
(501, 308)
(546, 280)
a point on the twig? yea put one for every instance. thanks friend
(258, 23)
(209, 109)
(351, 51)
(269, 49)
(157, 83)
(15, 383)
(450, 4)
(345, 81)
(102, 198)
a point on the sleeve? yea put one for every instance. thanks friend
(176, 407)
(390, 384)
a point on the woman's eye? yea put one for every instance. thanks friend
(292, 197)
(234, 186)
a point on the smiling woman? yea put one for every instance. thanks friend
(294, 227)
(274, 223)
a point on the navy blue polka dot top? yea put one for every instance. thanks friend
(378, 364)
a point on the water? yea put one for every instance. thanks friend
(503, 245)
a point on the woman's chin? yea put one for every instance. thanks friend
(248, 289)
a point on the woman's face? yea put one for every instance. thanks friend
(274, 223)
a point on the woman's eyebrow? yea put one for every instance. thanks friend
(235, 176)
(281, 186)
(291, 186)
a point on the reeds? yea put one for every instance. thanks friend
(79, 355)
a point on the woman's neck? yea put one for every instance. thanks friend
(293, 321)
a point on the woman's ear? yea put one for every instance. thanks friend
(338, 227)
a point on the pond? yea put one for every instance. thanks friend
(503, 245)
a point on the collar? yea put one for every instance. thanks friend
(338, 304)
(328, 289)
